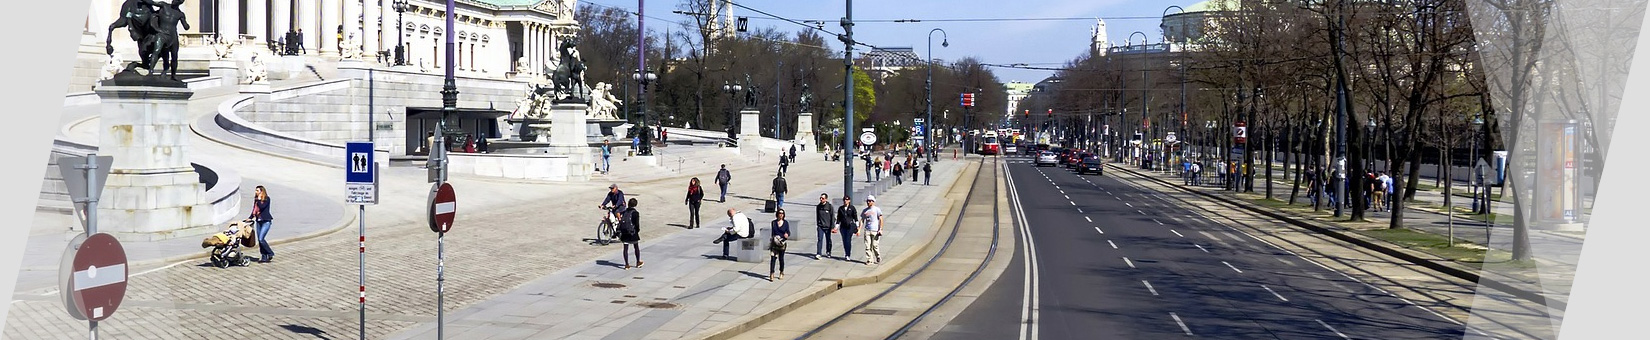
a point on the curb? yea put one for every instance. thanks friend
(825, 287)
(1411, 256)
(343, 222)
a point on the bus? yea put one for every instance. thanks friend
(989, 145)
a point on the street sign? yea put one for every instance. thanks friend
(1170, 138)
(94, 278)
(868, 138)
(443, 207)
(74, 170)
(360, 174)
(1240, 133)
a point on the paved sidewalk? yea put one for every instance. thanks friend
(687, 292)
(1555, 255)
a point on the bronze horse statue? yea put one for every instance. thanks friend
(154, 26)
(569, 75)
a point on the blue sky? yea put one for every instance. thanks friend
(1042, 43)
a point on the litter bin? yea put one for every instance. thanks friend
(753, 249)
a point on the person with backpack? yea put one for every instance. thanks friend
(784, 163)
(630, 233)
(899, 174)
(927, 173)
(722, 179)
(739, 227)
(847, 220)
(779, 190)
(780, 231)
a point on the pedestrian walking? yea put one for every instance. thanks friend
(1197, 174)
(1378, 192)
(927, 173)
(722, 179)
(793, 152)
(878, 170)
(914, 171)
(607, 153)
(780, 232)
(899, 174)
(825, 221)
(847, 220)
(868, 166)
(695, 197)
(873, 230)
(1387, 181)
(739, 227)
(262, 218)
(779, 190)
(630, 233)
(784, 163)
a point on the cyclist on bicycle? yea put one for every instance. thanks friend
(614, 203)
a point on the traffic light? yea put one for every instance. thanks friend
(1028, 114)
(968, 100)
(1051, 113)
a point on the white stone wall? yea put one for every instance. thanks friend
(336, 112)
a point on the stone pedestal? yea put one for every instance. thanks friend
(750, 132)
(152, 192)
(568, 131)
(228, 69)
(261, 87)
(287, 67)
(804, 131)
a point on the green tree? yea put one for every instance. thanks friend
(865, 95)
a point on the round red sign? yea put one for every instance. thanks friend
(443, 207)
(97, 277)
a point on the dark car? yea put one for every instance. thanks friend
(1091, 164)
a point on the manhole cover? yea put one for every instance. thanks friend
(607, 285)
(874, 311)
(659, 305)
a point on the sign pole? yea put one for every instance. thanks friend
(440, 278)
(91, 217)
(372, 128)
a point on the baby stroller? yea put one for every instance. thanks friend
(225, 247)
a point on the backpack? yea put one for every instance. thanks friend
(750, 227)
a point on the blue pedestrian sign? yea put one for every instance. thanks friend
(360, 174)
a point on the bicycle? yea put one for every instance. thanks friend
(607, 231)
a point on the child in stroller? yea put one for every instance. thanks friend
(225, 247)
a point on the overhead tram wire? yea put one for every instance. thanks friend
(682, 23)
(822, 29)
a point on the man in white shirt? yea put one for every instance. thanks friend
(871, 217)
(739, 227)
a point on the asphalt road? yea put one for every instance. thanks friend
(1113, 261)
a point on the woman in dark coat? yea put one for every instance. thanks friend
(262, 219)
(630, 233)
(695, 196)
(781, 230)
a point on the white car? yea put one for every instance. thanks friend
(1011, 149)
(1048, 158)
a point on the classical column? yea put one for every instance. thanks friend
(280, 18)
(257, 21)
(229, 19)
(308, 20)
(331, 16)
(352, 22)
(374, 26)
(530, 47)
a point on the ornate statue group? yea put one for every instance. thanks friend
(154, 26)
(564, 82)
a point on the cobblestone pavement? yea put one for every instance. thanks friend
(507, 233)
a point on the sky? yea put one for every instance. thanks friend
(1037, 43)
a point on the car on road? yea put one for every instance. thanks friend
(1048, 158)
(1011, 149)
(1091, 164)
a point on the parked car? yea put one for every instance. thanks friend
(1048, 158)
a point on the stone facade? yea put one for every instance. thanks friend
(152, 191)
(336, 111)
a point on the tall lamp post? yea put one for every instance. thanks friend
(1182, 40)
(401, 7)
(1144, 109)
(644, 77)
(1369, 145)
(928, 87)
(732, 89)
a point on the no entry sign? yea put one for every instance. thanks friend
(443, 207)
(95, 278)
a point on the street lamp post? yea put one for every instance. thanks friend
(1182, 39)
(928, 87)
(1369, 145)
(642, 78)
(401, 7)
(1144, 98)
(732, 89)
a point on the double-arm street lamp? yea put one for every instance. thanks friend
(732, 89)
(1182, 40)
(928, 86)
(643, 77)
(1144, 109)
(401, 7)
